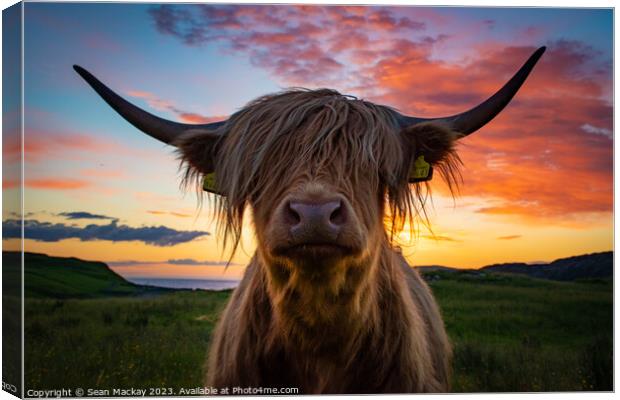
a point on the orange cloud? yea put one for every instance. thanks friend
(56, 184)
(191, 118)
(173, 213)
(152, 100)
(548, 156)
(509, 237)
(53, 145)
(180, 215)
(45, 145)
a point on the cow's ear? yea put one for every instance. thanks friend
(430, 145)
(198, 150)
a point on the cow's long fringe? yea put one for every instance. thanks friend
(315, 131)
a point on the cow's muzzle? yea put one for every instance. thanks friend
(315, 227)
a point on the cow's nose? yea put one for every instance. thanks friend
(316, 221)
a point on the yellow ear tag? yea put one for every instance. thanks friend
(208, 183)
(420, 171)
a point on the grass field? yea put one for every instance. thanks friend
(11, 319)
(509, 334)
(520, 334)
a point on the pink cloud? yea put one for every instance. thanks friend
(191, 118)
(152, 100)
(56, 184)
(164, 105)
(44, 145)
(294, 43)
(11, 146)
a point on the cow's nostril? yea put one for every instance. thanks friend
(337, 215)
(291, 216)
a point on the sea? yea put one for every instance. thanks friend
(204, 284)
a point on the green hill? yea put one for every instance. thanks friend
(62, 278)
(595, 266)
(587, 266)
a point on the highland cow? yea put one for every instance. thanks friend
(328, 303)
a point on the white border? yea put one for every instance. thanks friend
(462, 3)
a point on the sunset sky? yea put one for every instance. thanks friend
(537, 181)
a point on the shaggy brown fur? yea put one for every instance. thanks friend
(363, 324)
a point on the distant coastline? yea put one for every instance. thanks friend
(180, 283)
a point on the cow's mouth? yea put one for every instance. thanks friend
(316, 250)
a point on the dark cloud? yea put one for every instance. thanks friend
(167, 19)
(50, 232)
(83, 215)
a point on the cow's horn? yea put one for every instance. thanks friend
(159, 128)
(474, 119)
